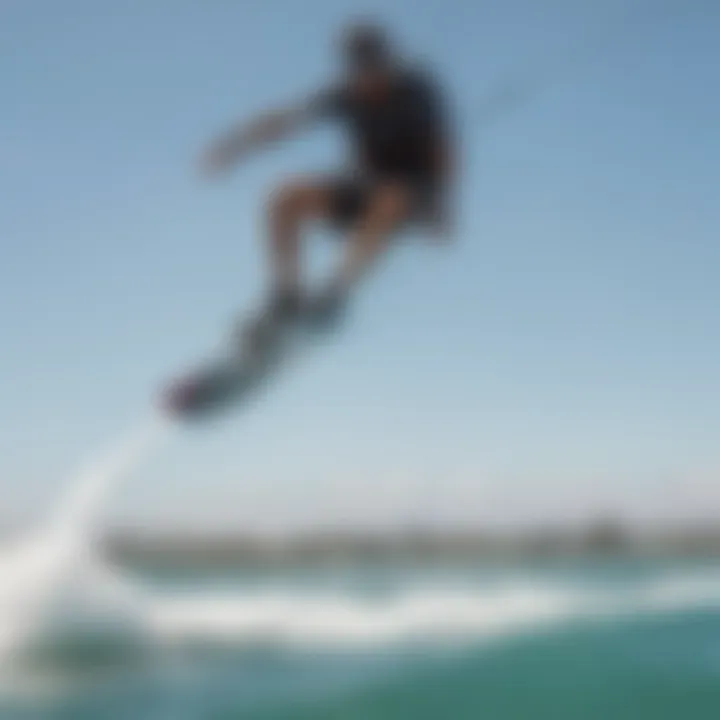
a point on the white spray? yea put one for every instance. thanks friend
(52, 585)
(74, 521)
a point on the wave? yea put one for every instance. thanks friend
(431, 614)
(44, 604)
(59, 601)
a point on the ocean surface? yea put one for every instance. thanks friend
(581, 640)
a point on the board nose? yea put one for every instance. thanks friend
(180, 397)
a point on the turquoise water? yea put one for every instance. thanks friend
(668, 669)
(610, 640)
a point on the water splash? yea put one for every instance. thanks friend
(74, 520)
(52, 584)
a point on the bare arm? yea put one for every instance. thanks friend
(263, 130)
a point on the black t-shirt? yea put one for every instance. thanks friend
(396, 135)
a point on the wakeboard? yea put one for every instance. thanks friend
(230, 379)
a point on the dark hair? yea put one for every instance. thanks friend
(365, 44)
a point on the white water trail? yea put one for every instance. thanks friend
(52, 584)
(74, 521)
(438, 615)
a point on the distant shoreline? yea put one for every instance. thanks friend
(226, 550)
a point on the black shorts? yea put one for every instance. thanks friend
(350, 196)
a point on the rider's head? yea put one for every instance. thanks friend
(368, 56)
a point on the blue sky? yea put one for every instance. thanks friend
(562, 358)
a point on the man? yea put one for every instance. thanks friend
(402, 174)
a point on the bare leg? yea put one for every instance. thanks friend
(387, 210)
(290, 207)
